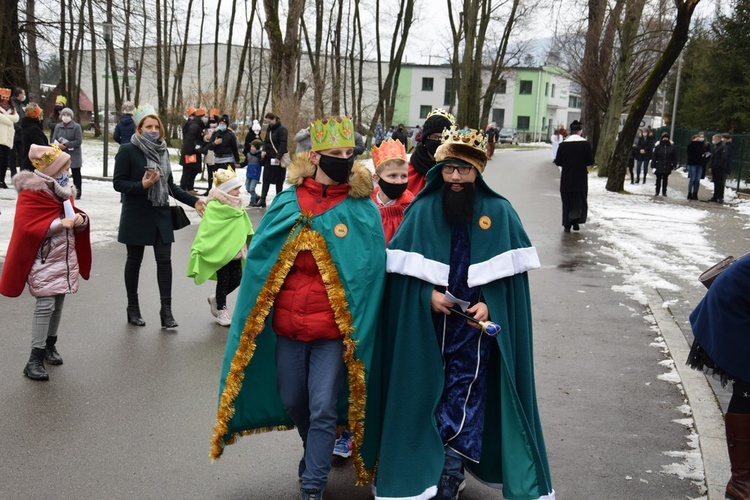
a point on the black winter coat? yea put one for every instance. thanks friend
(695, 153)
(32, 132)
(275, 146)
(141, 222)
(227, 148)
(192, 136)
(574, 156)
(665, 158)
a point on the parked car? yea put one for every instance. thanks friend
(509, 135)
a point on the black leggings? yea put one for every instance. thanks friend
(163, 256)
(227, 280)
(740, 402)
(76, 173)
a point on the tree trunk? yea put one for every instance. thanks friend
(94, 73)
(31, 35)
(12, 69)
(611, 121)
(619, 162)
(336, 64)
(229, 64)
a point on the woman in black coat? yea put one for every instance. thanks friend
(32, 132)
(144, 177)
(274, 148)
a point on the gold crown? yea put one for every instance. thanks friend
(467, 137)
(223, 175)
(443, 113)
(392, 149)
(47, 158)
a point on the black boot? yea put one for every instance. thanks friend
(50, 353)
(261, 202)
(167, 320)
(35, 367)
(134, 316)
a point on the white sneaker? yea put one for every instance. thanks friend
(212, 303)
(223, 318)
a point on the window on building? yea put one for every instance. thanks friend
(428, 84)
(501, 87)
(523, 122)
(498, 116)
(574, 101)
(544, 122)
(546, 88)
(424, 111)
(448, 98)
(553, 90)
(525, 87)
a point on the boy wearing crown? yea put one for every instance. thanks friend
(467, 398)
(391, 176)
(301, 346)
(49, 249)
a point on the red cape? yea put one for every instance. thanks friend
(416, 181)
(35, 211)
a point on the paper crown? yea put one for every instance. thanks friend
(5, 94)
(467, 137)
(200, 112)
(61, 99)
(214, 112)
(190, 111)
(142, 112)
(392, 149)
(33, 110)
(48, 159)
(332, 132)
(226, 180)
(443, 113)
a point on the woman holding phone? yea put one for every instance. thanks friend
(144, 177)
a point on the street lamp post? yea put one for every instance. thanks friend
(107, 29)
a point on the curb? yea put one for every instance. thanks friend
(707, 415)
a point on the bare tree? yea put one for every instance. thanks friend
(30, 29)
(680, 32)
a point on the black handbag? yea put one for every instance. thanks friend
(179, 217)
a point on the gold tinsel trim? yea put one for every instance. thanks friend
(310, 240)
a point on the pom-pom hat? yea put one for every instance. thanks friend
(49, 160)
(226, 180)
(392, 149)
(468, 145)
(332, 132)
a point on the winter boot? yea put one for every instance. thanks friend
(167, 320)
(50, 352)
(738, 445)
(134, 315)
(261, 202)
(35, 367)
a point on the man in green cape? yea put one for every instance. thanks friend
(456, 399)
(301, 345)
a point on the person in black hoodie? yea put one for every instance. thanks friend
(664, 161)
(192, 146)
(274, 147)
(224, 145)
(32, 132)
(423, 157)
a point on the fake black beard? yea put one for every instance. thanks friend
(458, 206)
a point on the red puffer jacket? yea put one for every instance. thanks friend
(302, 310)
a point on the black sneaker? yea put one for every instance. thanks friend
(448, 488)
(311, 493)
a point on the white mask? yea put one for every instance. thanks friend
(66, 118)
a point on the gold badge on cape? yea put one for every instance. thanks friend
(485, 222)
(340, 230)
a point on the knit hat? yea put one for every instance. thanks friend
(257, 143)
(234, 126)
(576, 126)
(128, 108)
(256, 126)
(200, 112)
(142, 112)
(49, 160)
(438, 120)
(33, 110)
(468, 145)
(665, 134)
(224, 119)
(61, 100)
(226, 180)
(67, 111)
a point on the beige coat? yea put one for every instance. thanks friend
(7, 132)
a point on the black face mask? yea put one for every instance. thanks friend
(338, 169)
(392, 191)
(431, 145)
(58, 108)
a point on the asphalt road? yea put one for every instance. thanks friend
(130, 413)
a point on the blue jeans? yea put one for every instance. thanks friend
(309, 378)
(644, 162)
(250, 187)
(694, 174)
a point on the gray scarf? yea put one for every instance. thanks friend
(157, 156)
